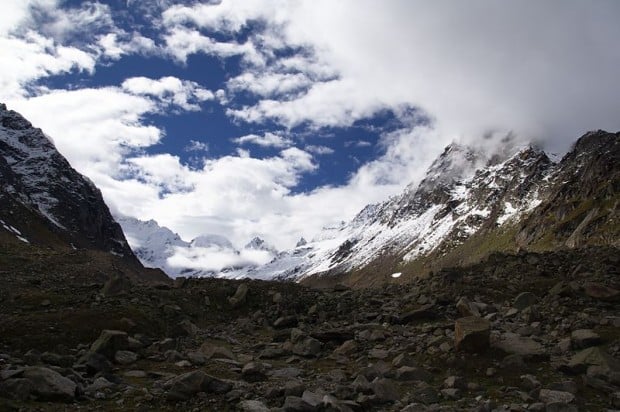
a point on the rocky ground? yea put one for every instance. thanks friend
(530, 332)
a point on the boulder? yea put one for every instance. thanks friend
(525, 347)
(471, 334)
(49, 385)
(307, 347)
(109, 342)
(602, 292)
(184, 387)
(593, 356)
(239, 297)
(584, 338)
(424, 312)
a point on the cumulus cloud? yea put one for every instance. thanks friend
(116, 44)
(267, 139)
(170, 90)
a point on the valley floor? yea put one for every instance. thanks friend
(545, 336)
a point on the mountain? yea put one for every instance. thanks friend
(469, 205)
(47, 206)
(205, 255)
(38, 182)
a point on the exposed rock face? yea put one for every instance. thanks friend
(36, 177)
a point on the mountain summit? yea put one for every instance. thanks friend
(468, 206)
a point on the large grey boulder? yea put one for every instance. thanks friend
(49, 385)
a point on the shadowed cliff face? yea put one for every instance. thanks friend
(37, 182)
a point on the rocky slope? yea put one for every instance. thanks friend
(468, 206)
(37, 185)
(525, 332)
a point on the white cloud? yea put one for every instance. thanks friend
(119, 43)
(170, 90)
(472, 67)
(182, 42)
(320, 150)
(269, 84)
(33, 57)
(197, 146)
(215, 259)
(268, 139)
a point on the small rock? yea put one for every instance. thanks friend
(252, 406)
(412, 373)
(307, 347)
(253, 372)
(455, 382)
(285, 322)
(551, 396)
(296, 404)
(424, 312)
(347, 348)
(466, 308)
(125, 357)
(212, 351)
(385, 390)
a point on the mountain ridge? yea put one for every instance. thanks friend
(461, 212)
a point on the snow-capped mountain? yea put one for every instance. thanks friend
(205, 255)
(468, 206)
(44, 200)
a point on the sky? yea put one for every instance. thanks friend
(275, 118)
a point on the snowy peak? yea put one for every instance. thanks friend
(470, 204)
(259, 244)
(36, 178)
(206, 255)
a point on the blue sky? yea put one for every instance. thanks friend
(275, 118)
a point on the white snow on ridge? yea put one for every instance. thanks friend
(206, 255)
